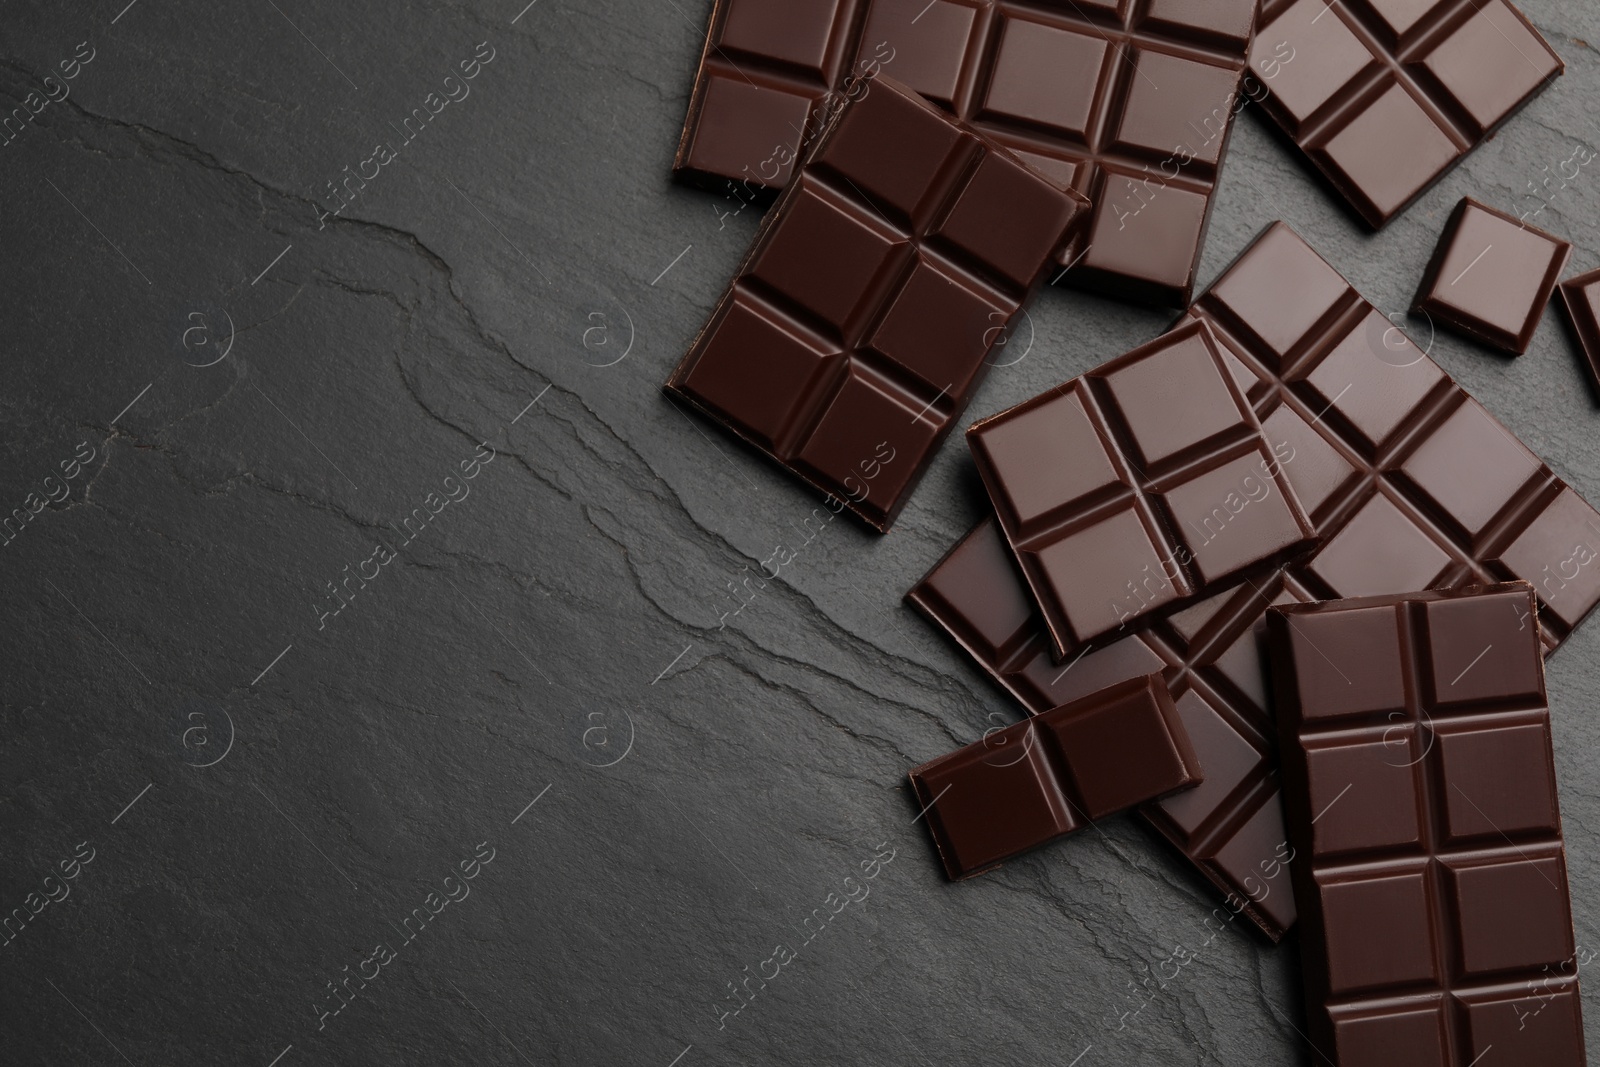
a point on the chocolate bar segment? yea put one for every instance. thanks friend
(1410, 482)
(1385, 96)
(1581, 297)
(1129, 103)
(1209, 656)
(1051, 775)
(1136, 487)
(1430, 868)
(1491, 276)
(856, 329)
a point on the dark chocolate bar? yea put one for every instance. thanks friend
(1581, 296)
(1130, 102)
(1136, 487)
(1053, 774)
(1420, 792)
(1491, 276)
(1385, 96)
(1409, 480)
(1231, 826)
(856, 330)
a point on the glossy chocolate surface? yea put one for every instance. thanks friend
(1419, 785)
(1385, 96)
(1231, 826)
(1410, 482)
(1581, 297)
(1136, 487)
(1384, 441)
(1053, 774)
(856, 329)
(1491, 276)
(1129, 102)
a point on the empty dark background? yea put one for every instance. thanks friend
(562, 613)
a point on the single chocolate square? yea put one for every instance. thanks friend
(1139, 486)
(1410, 480)
(1430, 867)
(858, 326)
(1130, 104)
(1385, 96)
(1491, 276)
(1581, 296)
(1053, 774)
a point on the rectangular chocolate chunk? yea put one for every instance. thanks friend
(1421, 798)
(1491, 276)
(1134, 488)
(1410, 482)
(1053, 774)
(1581, 296)
(1129, 102)
(1385, 96)
(858, 326)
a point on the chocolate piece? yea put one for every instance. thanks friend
(1491, 276)
(1421, 797)
(1385, 96)
(1136, 487)
(1581, 295)
(1231, 826)
(1053, 774)
(1410, 482)
(857, 327)
(1131, 104)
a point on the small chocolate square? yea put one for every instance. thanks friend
(1538, 1024)
(992, 800)
(1142, 720)
(1412, 1036)
(1377, 931)
(1513, 915)
(1491, 276)
(1501, 781)
(1364, 794)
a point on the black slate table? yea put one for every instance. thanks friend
(389, 675)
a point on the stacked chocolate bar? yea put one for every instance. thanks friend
(1273, 579)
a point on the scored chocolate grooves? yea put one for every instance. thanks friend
(1353, 87)
(1128, 102)
(1107, 488)
(856, 328)
(1404, 464)
(1379, 432)
(1421, 794)
(1208, 655)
